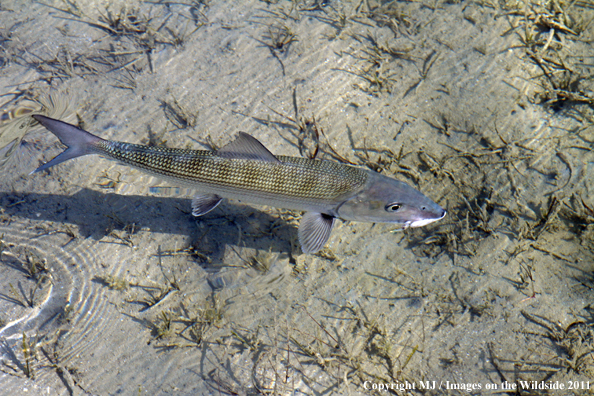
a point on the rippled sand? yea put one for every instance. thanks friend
(108, 285)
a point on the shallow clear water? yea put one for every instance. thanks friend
(116, 288)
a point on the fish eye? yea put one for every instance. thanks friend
(393, 207)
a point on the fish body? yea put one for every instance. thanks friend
(245, 170)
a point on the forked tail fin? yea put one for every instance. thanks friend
(78, 141)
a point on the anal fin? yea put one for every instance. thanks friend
(314, 231)
(204, 203)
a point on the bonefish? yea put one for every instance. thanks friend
(245, 170)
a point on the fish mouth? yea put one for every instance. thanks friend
(423, 222)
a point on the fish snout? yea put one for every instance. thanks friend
(427, 216)
(443, 214)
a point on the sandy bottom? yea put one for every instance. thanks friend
(109, 286)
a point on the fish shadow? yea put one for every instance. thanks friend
(97, 215)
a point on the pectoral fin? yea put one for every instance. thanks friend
(314, 231)
(202, 204)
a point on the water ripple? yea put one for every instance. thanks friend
(55, 298)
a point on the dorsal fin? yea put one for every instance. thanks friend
(246, 147)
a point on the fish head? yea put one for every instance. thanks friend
(387, 200)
